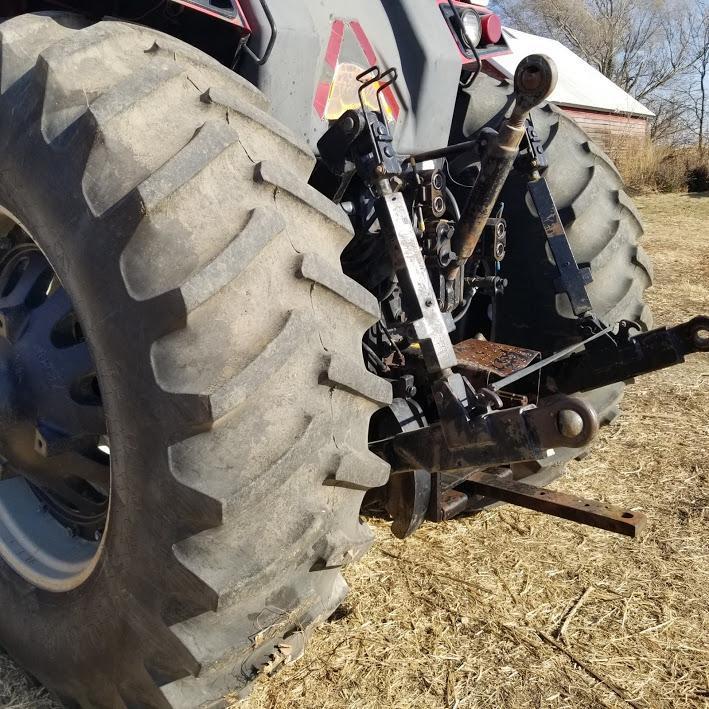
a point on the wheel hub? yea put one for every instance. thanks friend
(54, 454)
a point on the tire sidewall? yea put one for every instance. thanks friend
(40, 186)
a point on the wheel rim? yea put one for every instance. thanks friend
(55, 457)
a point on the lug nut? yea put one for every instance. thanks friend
(570, 424)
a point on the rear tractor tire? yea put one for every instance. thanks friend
(174, 217)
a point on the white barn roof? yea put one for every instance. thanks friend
(580, 85)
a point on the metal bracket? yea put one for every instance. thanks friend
(386, 161)
(572, 279)
(492, 439)
(462, 469)
(537, 157)
(430, 327)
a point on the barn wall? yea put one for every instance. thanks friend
(609, 129)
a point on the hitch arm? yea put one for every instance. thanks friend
(473, 449)
(535, 79)
(608, 361)
(492, 439)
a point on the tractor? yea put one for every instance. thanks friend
(266, 265)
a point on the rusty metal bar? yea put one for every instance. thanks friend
(558, 504)
(480, 357)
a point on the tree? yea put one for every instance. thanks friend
(696, 92)
(647, 47)
(641, 45)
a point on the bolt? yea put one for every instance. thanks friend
(348, 124)
(429, 303)
(570, 424)
(381, 130)
(388, 151)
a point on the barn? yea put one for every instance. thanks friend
(606, 112)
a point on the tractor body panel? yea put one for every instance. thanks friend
(320, 42)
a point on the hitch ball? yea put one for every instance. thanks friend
(570, 424)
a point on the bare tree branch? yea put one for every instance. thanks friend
(653, 49)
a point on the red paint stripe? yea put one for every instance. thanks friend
(371, 56)
(334, 46)
(321, 96)
(390, 97)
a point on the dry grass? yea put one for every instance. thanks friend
(489, 612)
(511, 609)
(647, 166)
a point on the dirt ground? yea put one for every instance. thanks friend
(511, 609)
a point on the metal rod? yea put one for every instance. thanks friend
(558, 504)
(571, 276)
(500, 386)
(445, 152)
(535, 79)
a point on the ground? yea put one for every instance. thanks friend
(512, 609)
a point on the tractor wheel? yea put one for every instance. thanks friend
(184, 407)
(603, 227)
